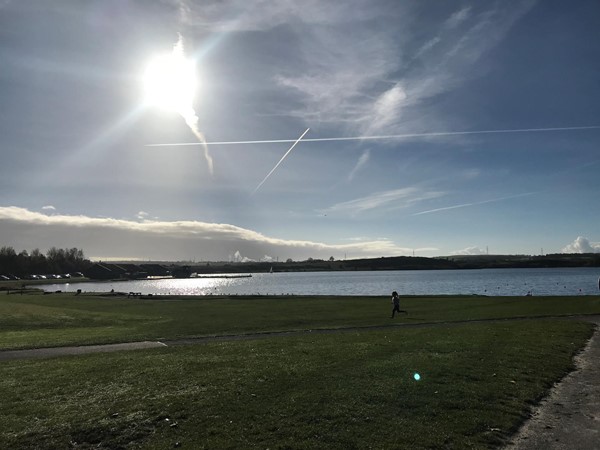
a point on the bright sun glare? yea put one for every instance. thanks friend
(170, 82)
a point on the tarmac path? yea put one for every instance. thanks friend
(567, 418)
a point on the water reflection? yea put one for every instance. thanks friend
(503, 282)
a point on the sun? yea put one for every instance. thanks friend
(170, 81)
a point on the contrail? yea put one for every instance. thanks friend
(386, 137)
(464, 205)
(188, 113)
(280, 161)
(191, 119)
(174, 70)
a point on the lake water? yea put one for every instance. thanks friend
(504, 282)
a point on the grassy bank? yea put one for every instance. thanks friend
(341, 391)
(36, 320)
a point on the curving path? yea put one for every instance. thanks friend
(568, 418)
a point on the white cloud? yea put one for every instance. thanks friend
(427, 46)
(353, 86)
(582, 245)
(387, 108)
(242, 15)
(107, 238)
(394, 199)
(362, 161)
(142, 215)
(458, 17)
(348, 72)
(48, 208)
(469, 251)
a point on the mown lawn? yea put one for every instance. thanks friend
(35, 320)
(338, 391)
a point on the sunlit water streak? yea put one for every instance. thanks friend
(502, 282)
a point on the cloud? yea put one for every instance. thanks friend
(427, 46)
(458, 17)
(582, 245)
(352, 87)
(470, 251)
(393, 199)
(387, 108)
(258, 15)
(142, 215)
(48, 208)
(379, 78)
(109, 238)
(362, 161)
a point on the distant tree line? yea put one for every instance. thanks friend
(55, 261)
(405, 263)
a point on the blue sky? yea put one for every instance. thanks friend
(76, 168)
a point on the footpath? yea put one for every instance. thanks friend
(568, 417)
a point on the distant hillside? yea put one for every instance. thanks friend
(404, 263)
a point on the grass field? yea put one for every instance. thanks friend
(35, 320)
(351, 390)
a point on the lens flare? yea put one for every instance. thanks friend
(170, 82)
(417, 377)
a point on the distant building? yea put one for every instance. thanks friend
(105, 271)
(181, 271)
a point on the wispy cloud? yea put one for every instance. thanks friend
(394, 199)
(114, 238)
(469, 251)
(465, 205)
(458, 17)
(427, 46)
(362, 161)
(48, 208)
(383, 78)
(387, 108)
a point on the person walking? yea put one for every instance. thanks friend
(396, 303)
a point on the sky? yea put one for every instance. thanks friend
(475, 128)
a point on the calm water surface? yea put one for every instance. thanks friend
(568, 281)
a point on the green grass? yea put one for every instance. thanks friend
(343, 391)
(35, 320)
(336, 391)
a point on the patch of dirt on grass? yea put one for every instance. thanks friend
(113, 433)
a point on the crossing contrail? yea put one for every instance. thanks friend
(280, 161)
(384, 137)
